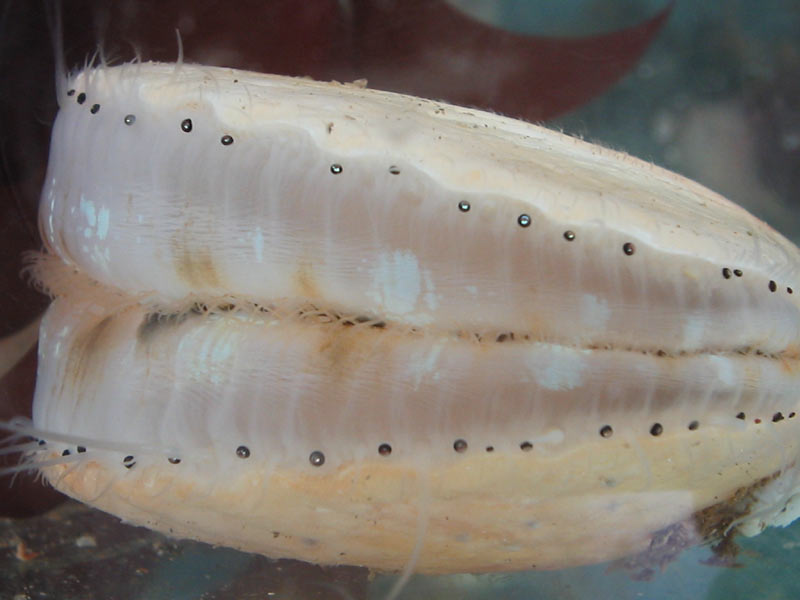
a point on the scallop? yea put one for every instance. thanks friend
(309, 294)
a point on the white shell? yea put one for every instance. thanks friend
(616, 362)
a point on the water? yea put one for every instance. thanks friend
(717, 98)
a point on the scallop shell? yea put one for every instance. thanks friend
(348, 326)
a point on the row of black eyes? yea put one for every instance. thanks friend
(773, 287)
(317, 458)
(186, 124)
(524, 220)
(95, 108)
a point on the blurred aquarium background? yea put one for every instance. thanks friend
(711, 91)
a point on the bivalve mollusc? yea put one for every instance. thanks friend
(318, 321)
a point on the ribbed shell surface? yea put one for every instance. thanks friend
(371, 323)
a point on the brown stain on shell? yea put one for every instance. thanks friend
(342, 342)
(790, 366)
(790, 359)
(343, 348)
(87, 354)
(196, 267)
(305, 283)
